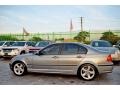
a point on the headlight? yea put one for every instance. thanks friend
(16, 50)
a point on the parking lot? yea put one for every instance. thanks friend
(8, 78)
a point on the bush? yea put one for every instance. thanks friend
(110, 36)
(81, 37)
(35, 39)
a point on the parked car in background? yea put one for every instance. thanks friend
(19, 47)
(64, 58)
(40, 45)
(107, 47)
(5, 44)
(117, 45)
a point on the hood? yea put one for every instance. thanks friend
(36, 48)
(21, 57)
(16, 47)
(111, 50)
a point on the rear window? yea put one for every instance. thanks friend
(101, 44)
(82, 50)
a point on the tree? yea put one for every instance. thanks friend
(35, 39)
(110, 36)
(81, 37)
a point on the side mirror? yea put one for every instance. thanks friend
(39, 53)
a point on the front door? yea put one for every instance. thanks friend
(48, 60)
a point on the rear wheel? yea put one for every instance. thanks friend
(87, 72)
(19, 68)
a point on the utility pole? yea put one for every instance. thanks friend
(81, 20)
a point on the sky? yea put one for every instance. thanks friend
(56, 18)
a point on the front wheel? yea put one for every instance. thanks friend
(87, 72)
(19, 69)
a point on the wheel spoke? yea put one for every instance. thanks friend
(91, 72)
(21, 69)
(84, 74)
(88, 76)
(16, 65)
(84, 69)
(88, 68)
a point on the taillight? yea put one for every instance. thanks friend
(109, 58)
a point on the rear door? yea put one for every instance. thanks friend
(71, 56)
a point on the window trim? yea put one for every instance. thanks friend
(61, 53)
(50, 46)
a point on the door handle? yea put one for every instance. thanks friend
(55, 57)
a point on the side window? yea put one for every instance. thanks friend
(70, 49)
(11, 43)
(7, 43)
(82, 50)
(29, 43)
(51, 50)
(95, 44)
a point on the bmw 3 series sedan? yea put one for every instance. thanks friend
(64, 58)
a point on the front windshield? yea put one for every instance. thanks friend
(102, 44)
(42, 44)
(19, 44)
(1, 43)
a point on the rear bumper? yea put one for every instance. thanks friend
(105, 68)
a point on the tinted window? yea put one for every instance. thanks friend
(42, 44)
(82, 50)
(101, 44)
(19, 44)
(51, 50)
(9, 43)
(70, 49)
(1, 43)
(30, 43)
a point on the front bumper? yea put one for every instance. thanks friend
(8, 54)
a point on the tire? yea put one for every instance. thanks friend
(87, 72)
(19, 69)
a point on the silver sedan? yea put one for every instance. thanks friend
(64, 58)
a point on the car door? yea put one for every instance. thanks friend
(47, 60)
(71, 56)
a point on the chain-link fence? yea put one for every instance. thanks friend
(55, 35)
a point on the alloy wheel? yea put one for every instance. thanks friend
(87, 72)
(19, 69)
